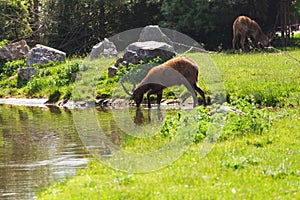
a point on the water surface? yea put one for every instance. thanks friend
(38, 146)
(41, 145)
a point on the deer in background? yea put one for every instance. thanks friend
(246, 27)
(176, 71)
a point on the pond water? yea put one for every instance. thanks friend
(40, 145)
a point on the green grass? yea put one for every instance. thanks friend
(51, 77)
(256, 157)
(252, 167)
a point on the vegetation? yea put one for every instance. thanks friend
(74, 26)
(254, 157)
(51, 77)
(256, 154)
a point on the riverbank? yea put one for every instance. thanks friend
(24, 102)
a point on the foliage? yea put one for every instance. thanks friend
(203, 22)
(74, 26)
(3, 43)
(251, 121)
(10, 68)
(51, 77)
(14, 20)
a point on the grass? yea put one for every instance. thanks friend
(251, 167)
(256, 157)
(51, 78)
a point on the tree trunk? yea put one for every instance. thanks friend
(102, 22)
(35, 27)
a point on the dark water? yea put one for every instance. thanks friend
(38, 146)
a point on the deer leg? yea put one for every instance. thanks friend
(148, 98)
(234, 41)
(201, 92)
(157, 91)
(242, 41)
(193, 93)
(159, 97)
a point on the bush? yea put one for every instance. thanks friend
(10, 68)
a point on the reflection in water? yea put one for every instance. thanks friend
(37, 147)
(139, 118)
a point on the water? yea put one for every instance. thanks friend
(38, 146)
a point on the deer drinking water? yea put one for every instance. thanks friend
(176, 71)
(246, 27)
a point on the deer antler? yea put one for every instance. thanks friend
(125, 89)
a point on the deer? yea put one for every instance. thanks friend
(246, 27)
(176, 71)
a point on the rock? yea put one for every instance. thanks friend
(112, 70)
(105, 48)
(14, 51)
(152, 43)
(151, 49)
(131, 57)
(143, 51)
(25, 74)
(154, 33)
(41, 54)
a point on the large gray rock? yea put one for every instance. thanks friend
(41, 54)
(143, 51)
(151, 49)
(154, 33)
(25, 74)
(105, 48)
(14, 51)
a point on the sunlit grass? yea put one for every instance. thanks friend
(244, 164)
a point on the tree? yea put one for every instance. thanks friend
(210, 21)
(14, 20)
(76, 25)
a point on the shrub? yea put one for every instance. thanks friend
(10, 68)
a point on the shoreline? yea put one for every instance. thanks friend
(41, 102)
(24, 102)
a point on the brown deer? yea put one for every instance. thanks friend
(176, 71)
(247, 27)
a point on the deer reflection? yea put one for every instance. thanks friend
(139, 118)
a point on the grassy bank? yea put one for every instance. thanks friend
(256, 156)
(251, 167)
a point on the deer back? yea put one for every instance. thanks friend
(176, 71)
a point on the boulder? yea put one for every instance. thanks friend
(151, 49)
(131, 57)
(105, 48)
(143, 51)
(154, 33)
(25, 74)
(14, 51)
(41, 54)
